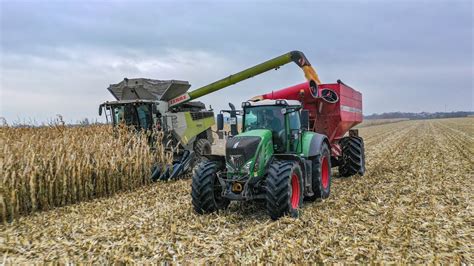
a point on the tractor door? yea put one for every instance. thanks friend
(294, 131)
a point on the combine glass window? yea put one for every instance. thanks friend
(137, 115)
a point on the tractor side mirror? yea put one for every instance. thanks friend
(100, 110)
(305, 119)
(220, 121)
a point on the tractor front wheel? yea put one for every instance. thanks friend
(284, 189)
(206, 190)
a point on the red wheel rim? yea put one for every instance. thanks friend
(295, 191)
(325, 172)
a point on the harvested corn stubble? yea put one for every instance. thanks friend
(414, 205)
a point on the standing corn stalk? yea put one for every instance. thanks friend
(46, 167)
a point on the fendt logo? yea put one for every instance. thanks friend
(179, 99)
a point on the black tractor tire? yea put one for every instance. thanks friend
(284, 189)
(321, 175)
(201, 147)
(206, 189)
(353, 156)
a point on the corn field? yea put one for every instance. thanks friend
(414, 205)
(46, 167)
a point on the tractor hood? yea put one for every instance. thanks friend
(241, 150)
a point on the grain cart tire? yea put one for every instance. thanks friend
(353, 156)
(321, 176)
(206, 189)
(284, 189)
(201, 147)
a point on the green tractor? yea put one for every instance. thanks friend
(275, 158)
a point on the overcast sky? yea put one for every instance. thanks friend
(59, 57)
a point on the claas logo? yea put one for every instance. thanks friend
(179, 99)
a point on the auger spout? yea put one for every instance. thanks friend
(295, 56)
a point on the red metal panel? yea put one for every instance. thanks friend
(331, 119)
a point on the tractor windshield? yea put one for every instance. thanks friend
(266, 117)
(137, 115)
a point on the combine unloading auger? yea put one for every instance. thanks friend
(296, 57)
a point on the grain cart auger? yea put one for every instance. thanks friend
(290, 140)
(165, 105)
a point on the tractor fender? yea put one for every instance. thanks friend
(291, 157)
(313, 146)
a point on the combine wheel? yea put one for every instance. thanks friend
(201, 147)
(353, 157)
(284, 187)
(321, 181)
(206, 190)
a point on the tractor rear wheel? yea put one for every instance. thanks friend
(353, 156)
(201, 147)
(206, 189)
(321, 175)
(284, 189)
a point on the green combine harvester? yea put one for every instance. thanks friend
(167, 106)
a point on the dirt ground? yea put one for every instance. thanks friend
(414, 205)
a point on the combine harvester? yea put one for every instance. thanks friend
(166, 106)
(290, 140)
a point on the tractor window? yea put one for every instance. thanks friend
(294, 120)
(294, 127)
(264, 117)
(267, 117)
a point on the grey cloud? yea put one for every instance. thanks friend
(403, 55)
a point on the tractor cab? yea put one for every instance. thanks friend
(281, 117)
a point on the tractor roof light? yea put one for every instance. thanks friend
(245, 104)
(281, 102)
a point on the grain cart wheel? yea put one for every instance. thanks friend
(284, 187)
(353, 156)
(206, 189)
(201, 147)
(321, 175)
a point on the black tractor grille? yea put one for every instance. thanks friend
(238, 150)
(201, 115)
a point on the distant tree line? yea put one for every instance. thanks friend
(422, 115)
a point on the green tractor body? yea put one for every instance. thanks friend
(272, 159)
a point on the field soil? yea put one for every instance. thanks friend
(414, 205)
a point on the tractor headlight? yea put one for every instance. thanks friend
(229, 167)
(246, 167)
